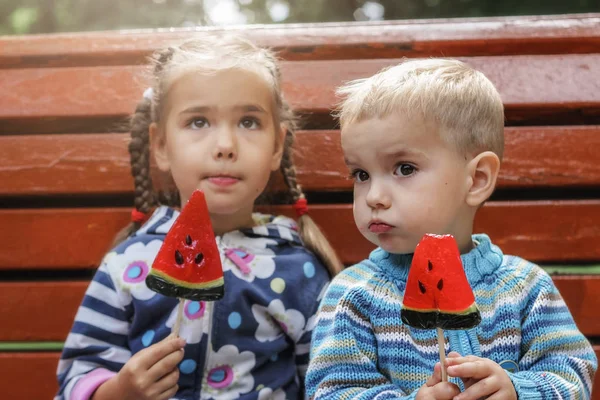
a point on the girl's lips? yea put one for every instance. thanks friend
(379, 227)
(223, 180)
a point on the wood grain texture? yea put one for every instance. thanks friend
(389, 39)
(99, 163)
(561, 82)
(24, 315)
(542, 231)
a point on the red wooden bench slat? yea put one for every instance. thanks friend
(28, 376)
(541, 231)
(25, 306)
(451, 37)
(39, 311)
(99, 163)
(562, 82)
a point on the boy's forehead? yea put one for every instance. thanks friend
(390, 136)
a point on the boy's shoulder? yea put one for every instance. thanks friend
(363, 280)
(523, 273)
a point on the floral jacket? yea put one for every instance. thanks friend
(252, 344)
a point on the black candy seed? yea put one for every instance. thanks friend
(440, 284)
(178, 257)
(429, 265)
(422, 288)
(199, 258)
(188, 240)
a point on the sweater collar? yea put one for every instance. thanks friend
(482, 260)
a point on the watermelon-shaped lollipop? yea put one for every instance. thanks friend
(188, 264)
(438, 294)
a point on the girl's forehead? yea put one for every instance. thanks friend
(227, 89)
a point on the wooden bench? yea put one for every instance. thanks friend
(65, 187)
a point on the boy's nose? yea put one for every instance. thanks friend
(377, 197)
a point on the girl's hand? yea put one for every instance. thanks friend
(435, 389)
(482, 377)
(151, 374)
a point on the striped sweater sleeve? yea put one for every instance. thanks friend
(344, 351)
(557, 360)
(96, 348)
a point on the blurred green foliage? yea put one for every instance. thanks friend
(48, 16)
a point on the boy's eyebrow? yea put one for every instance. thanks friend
(403, 153)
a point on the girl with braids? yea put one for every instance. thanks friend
(215, 120)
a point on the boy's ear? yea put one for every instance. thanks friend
(279, 146)
(158, 145)
(483, 170)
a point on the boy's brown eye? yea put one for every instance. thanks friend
(361, 176)
(405, 169)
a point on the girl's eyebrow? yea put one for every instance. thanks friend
(250, 108)
(242, 107)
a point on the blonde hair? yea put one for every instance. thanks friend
(461, 100)
(210, 54)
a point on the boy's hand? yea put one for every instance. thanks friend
(482, 377)
(151, 374)
(435, 389)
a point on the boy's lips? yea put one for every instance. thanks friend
(379, 227)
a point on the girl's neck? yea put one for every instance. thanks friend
(223, 223)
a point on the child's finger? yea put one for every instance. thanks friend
(436, 377)
(168, 393)
(456, 360)
(445, 390)
(479, 390)
(475, 369)
(165, 365)
(453, 354)
(160, 350)
(167, 382)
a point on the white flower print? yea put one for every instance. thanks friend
(228, 374)
(268, 394)
(194, 321)
(275, 320)
(248, 258)
(129, 270)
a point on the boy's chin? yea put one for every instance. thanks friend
(392, 245)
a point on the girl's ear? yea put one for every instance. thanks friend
(279, 146)
(158, 144)
(483, 171)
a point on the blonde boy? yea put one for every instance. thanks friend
(423, 141)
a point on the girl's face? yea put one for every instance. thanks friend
(218, 135)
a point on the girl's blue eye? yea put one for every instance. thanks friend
(360, 176)
(249, 123)
(405, 170)
(199, 123)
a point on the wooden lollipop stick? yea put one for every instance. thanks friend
(177, 324)
(441, 345)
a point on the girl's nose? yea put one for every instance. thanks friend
(226, 146)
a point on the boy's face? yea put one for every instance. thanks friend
(407, 182)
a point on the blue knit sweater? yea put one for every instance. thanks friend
(362, 350)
